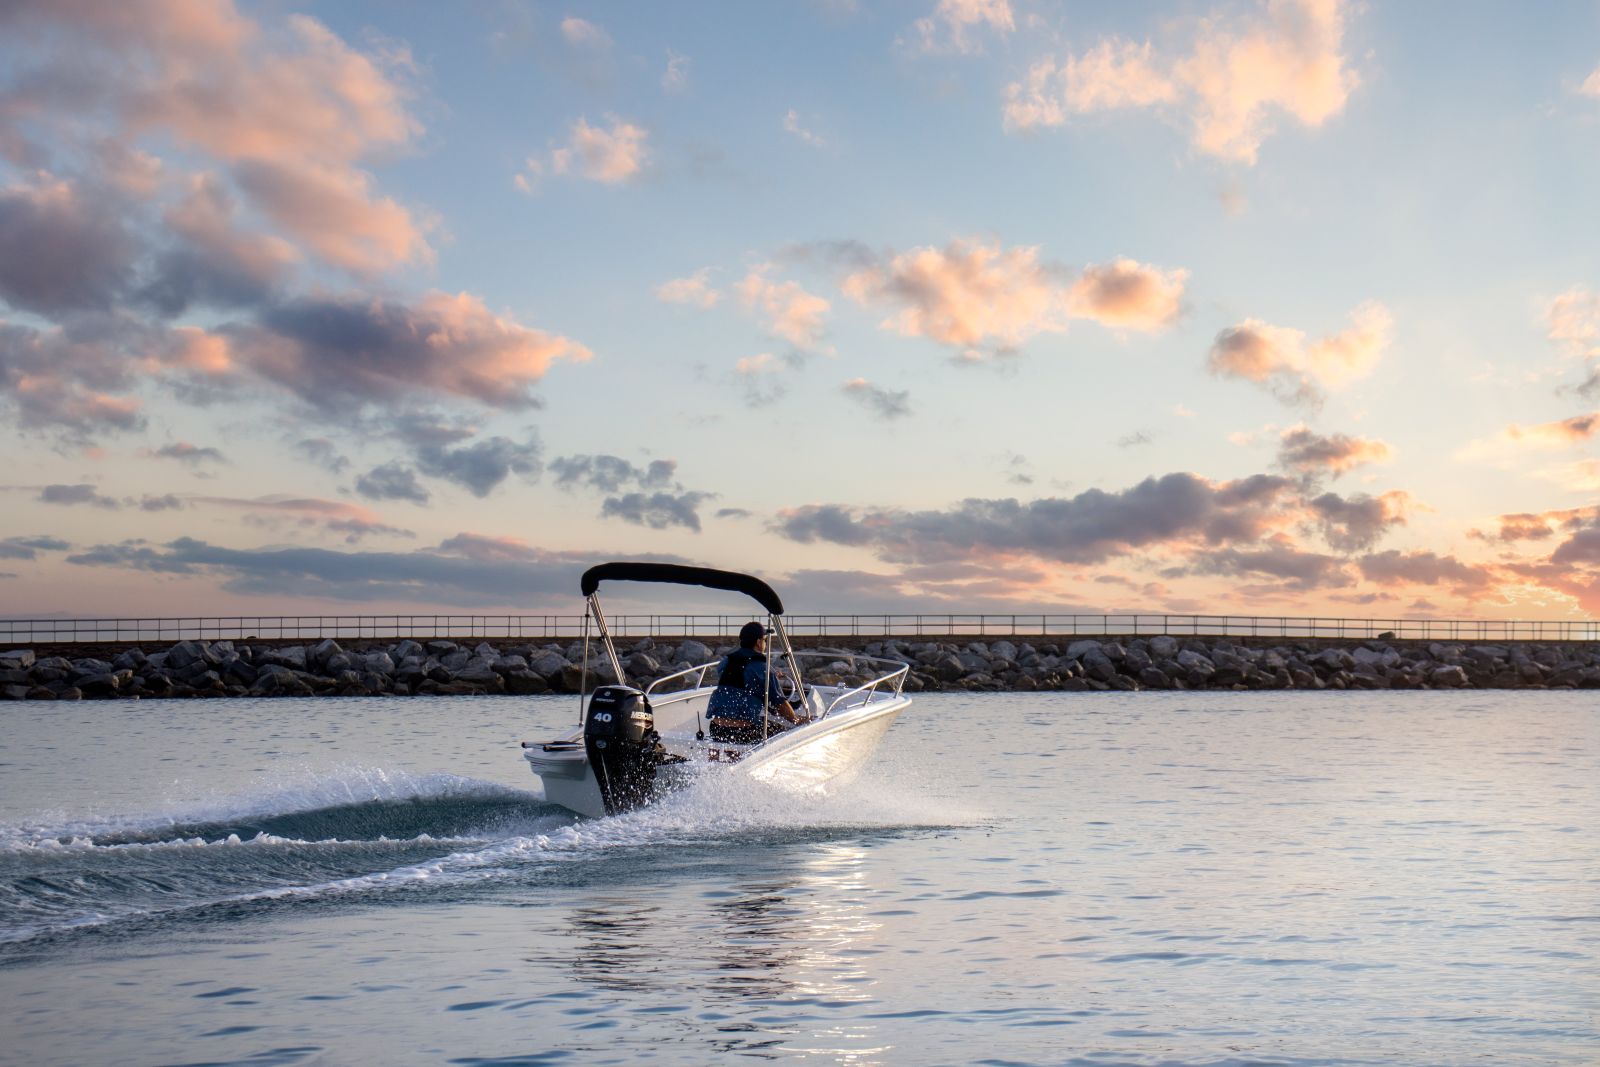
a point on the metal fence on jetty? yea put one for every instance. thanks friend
(22, 632)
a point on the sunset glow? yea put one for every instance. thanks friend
(1256, 308)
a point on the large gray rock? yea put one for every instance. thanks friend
(16, 659)
(1163, 647)
(239, 672)
(376, 662)
(526, 682)
(504, 665)
(292, 657)
(1098, 666)
(972, 661)
(130, 659)
(548, 665)
(1381, 658)
(98, 685)
(641, 665)
(1077, 649)
(693, 652)
(481, 678)
(1194, 663)
(319, 655)
(184, 653)
(1003, 650)
(91, 665)
(406, 649)
(1334, 659)
(1447, 677)
(1154, 678)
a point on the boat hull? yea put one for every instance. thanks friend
(807, 758)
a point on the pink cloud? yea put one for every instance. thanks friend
(691, 290)
(332, 352)
(966, 295)
(290, 107)
(982, 298)
(790, 312)
(334, 211)
(1280, 358)
(1125, 294)
(1302, 449)
(949, 27)
(610, 156)
(1228, 84)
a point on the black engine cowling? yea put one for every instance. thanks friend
(620, 737)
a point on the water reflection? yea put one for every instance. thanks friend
(769, 966)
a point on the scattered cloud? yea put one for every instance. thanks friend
(335, 212)
(789, 311)
(458, 572)
(658, 511)
(193, 455)
(1590, 86)
(1127, 295)
(1229, 83)
(694, 289)
(987, 300)
(1423, 568)
(608, 155)
(481, 467)
(1537, 526)
(791, 124)
(28, 548)
(392, 481)
(676, 77)
(1573, 324)
(332, 352)
(1280, 359)
(890, 404)
(609, 474)
(582, 33)
(278, 511)
(1304, 451)
(1514, 441)
(657, 500)
(61, 249)
(322, 452)
(953, 24)
(968, 295)
(1357, 523)
(1087, 528)
(1134, 439)
(81, 493)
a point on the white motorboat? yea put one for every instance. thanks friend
(633, 744)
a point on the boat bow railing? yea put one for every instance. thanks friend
(893, 679)
(699, 673)
(894, 676)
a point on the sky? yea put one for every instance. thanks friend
(1286, 308)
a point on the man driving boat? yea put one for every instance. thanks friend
(744, 688)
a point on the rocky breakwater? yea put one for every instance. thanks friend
(1165, 662)
(407, 668)
(325, 668)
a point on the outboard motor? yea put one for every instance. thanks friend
(619, 734)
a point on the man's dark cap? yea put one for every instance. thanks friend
(751, 632)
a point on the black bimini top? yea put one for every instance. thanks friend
(673, 574)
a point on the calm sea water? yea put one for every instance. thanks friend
(1150, 878)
